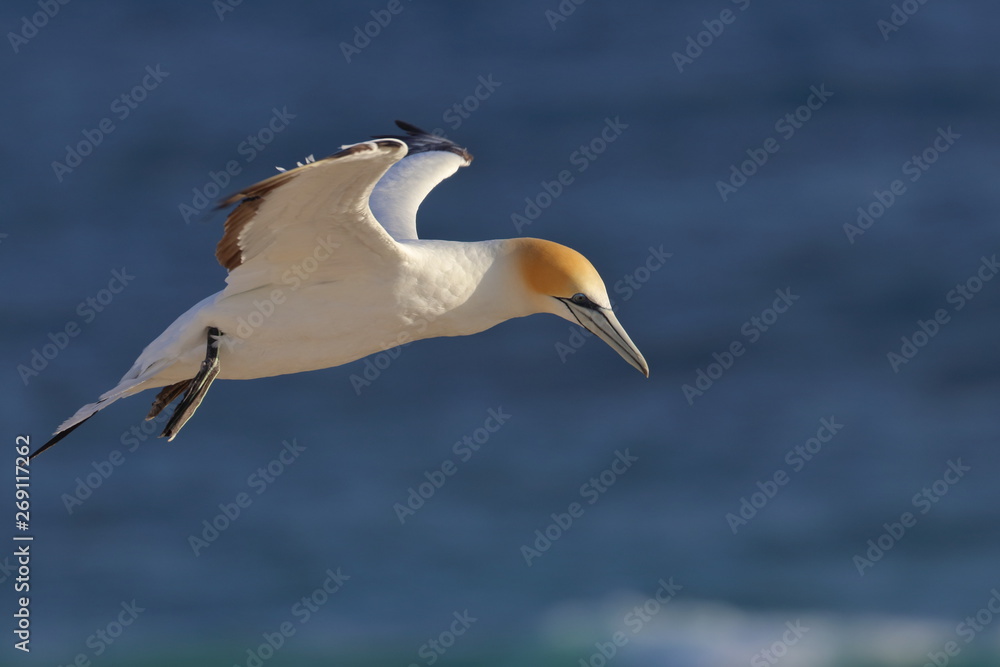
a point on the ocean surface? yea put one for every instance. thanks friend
(795, 207)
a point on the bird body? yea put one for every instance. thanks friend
(443, 288)
(325, 267)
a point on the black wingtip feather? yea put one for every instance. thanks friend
(421, 141)
(410, 128)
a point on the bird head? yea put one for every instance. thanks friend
(561, 281)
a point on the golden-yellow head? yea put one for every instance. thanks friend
(563, 282)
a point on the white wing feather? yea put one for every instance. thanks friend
(399, 193)
(314, 218)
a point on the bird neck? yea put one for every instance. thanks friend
(469, 287)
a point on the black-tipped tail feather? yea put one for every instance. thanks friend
(59, 436)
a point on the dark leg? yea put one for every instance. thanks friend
(197, 389)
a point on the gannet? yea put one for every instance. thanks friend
(325, 267)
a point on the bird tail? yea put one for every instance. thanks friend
(124, 388)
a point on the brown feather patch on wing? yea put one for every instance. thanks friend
(228, 250)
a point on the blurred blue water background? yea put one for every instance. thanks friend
(553, 81)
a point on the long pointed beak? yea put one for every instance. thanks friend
(603, 323)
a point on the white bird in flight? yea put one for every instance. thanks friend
(325, 267)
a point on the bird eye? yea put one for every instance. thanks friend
(580, 299)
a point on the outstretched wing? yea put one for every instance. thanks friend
(314, 218)
(398, 195)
